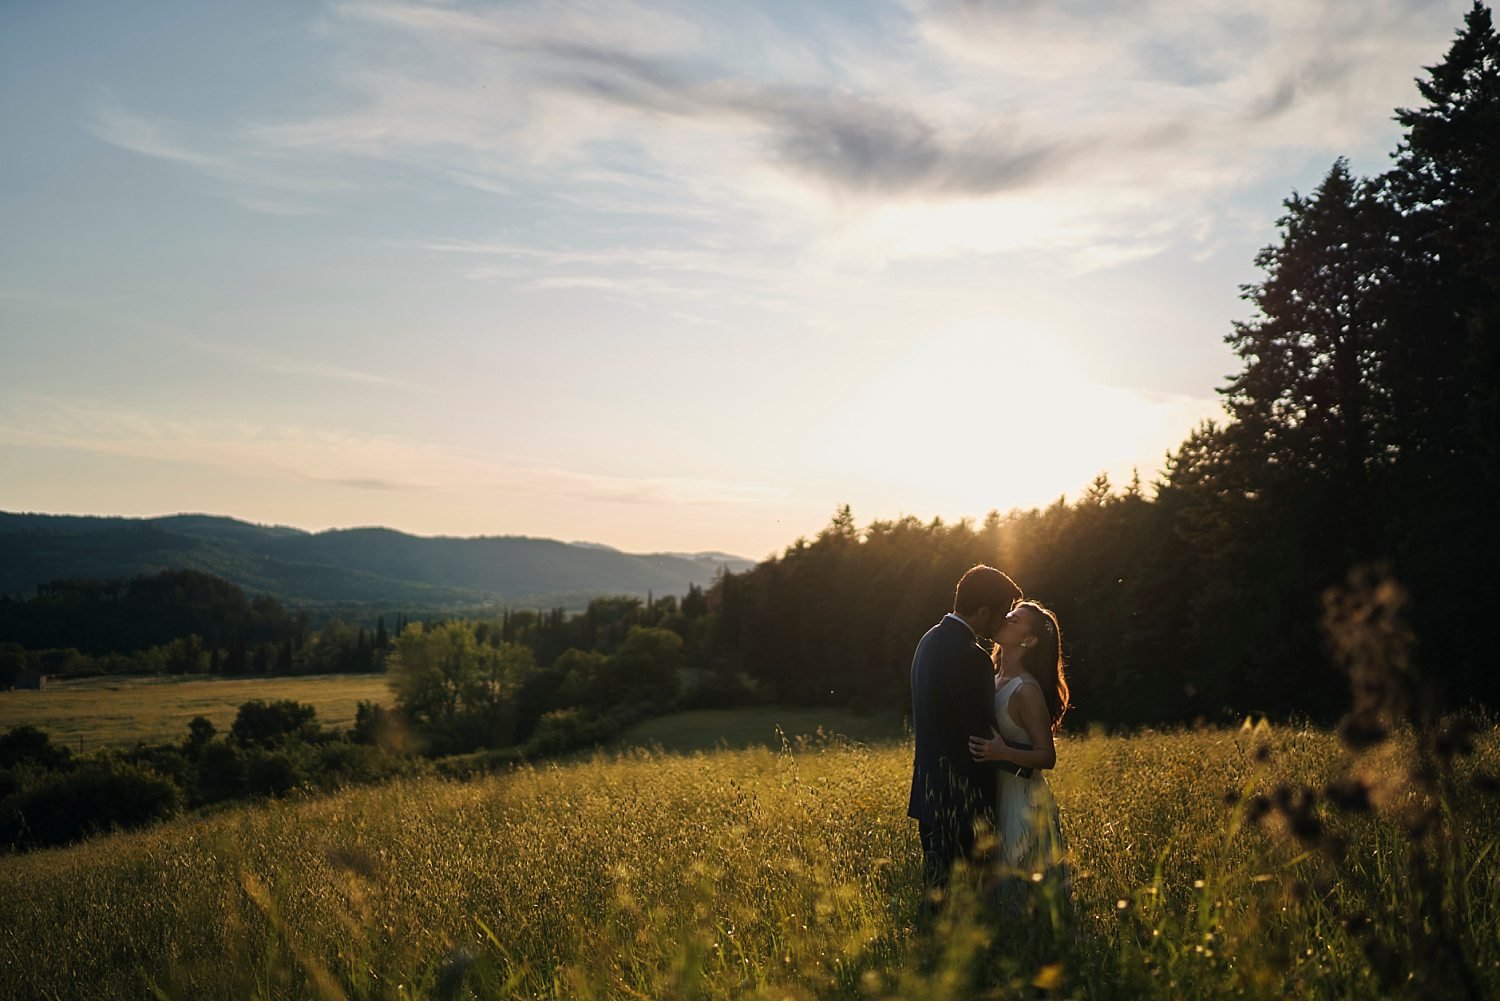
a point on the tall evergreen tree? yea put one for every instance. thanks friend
(1446, 185)
(1446, 377)
(1311, 404)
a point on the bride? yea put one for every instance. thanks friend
(1031, 696)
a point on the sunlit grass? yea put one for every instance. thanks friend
(94, 713)
(751, 873)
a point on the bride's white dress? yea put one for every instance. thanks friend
(1031, 840)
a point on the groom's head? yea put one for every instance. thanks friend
(984, 597)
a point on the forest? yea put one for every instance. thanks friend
(1363, 440)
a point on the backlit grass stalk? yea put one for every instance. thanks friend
(725, 875)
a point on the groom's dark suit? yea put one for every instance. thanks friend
(952, 698)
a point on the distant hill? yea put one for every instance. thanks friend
(359, 565)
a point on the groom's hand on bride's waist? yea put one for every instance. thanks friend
(1012, 768)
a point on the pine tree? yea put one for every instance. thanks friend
(1446, 386)
(1446, 184)
(1312, 396)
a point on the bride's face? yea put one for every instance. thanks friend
(1017, 629)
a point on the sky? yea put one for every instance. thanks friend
(667, 277)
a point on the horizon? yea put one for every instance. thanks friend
(580, 543)
(672, 278)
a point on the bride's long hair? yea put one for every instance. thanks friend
(1044, 661)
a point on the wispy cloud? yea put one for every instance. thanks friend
(256, 181)
(1097, 121)
(1273, 67)
(645, 258)
(667, 278)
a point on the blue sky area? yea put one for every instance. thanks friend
(663, 276)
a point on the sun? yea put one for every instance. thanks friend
(994, 414)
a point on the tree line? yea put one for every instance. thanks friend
(1363, 431)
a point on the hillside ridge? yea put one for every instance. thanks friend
(355, 564)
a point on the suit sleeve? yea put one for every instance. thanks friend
(978, 698)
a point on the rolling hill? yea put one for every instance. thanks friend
(358, 565)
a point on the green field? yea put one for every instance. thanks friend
(115, 712)
(782, 873)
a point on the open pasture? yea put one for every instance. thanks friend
(789, 873)
(115, 712)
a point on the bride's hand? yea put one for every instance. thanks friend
(991, 748)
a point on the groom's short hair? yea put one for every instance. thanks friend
(984, 587)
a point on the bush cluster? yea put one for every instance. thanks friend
(48, 797)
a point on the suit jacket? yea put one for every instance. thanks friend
(952, 697)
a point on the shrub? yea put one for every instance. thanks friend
(564, 730)
(719, 688)
(166, 760)
(220, 773)
(348, 762)
(267, 724)
(31, 745)
(94, 797)
(271, 773)
(558, 731)
(201, 730)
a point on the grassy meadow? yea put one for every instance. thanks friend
(783, 873)
(94, 713)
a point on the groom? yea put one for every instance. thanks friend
(953, 698)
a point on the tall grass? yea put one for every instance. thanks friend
(750, 874)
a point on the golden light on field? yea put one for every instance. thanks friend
(993, 413)
(730, 875)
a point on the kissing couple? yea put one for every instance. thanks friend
(988, 692)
